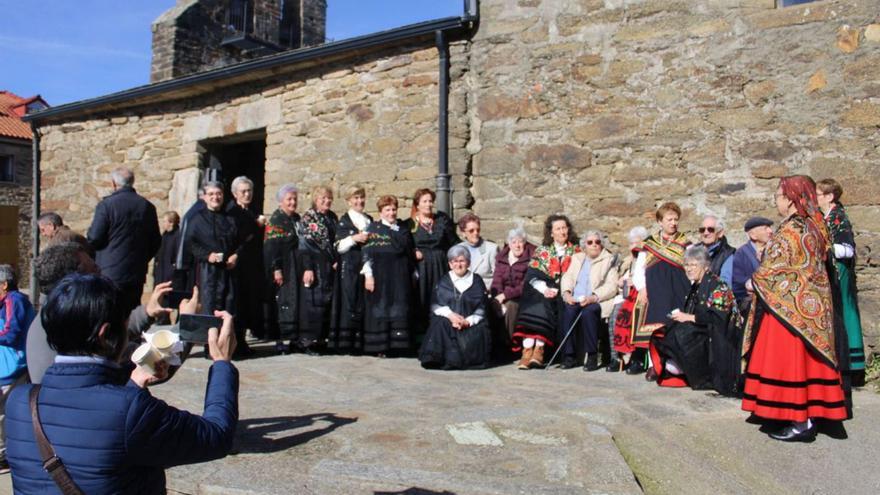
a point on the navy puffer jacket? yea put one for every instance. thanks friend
(113, 436)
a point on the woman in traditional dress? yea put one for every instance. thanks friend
(538, 322)
(792, 369)
(828, 193)
(433, 234)
(507, 283)
(483, 252)
(700, 349)
(659, 277)
(459, 335)
(317, 235)
(282, 265)
(621, 323)
(347, 319)
(388, 279)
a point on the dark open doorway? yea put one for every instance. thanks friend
(240, 154)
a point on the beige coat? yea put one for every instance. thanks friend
(603, 278)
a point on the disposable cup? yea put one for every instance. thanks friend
(146, 357)
(163, 341)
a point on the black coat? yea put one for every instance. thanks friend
(163, 269)
(125, 236)
(448, 348)
(214, 232)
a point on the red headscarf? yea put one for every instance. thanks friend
(801, 191)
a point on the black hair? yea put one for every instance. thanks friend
(548, 229)
(74, 313)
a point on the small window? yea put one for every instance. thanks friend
(7, 168)
(789, 3)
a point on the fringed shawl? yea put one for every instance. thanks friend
(671, 251)
(792, 283)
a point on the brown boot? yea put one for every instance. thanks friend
(526, 357)
(537, 360)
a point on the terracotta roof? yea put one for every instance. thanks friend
(12, 109)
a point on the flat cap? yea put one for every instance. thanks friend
(757, 222)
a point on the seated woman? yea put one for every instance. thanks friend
(588, 287)
(620, 323)
(538, 322)
(483, 252)
(682, 353)
(507, 282)
(459, 335)
(110, 433)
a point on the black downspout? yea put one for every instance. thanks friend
(35, 213)
(444, 189)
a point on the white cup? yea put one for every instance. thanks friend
(163, 341)
(146, 357)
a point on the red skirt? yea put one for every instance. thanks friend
(623, 324)
(786, 381)
(664, 379)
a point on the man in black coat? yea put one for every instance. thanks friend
(720, 252)
(125, 236)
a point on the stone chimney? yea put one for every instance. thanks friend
(199, 35)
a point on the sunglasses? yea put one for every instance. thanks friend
(592, 242)
(710, 230)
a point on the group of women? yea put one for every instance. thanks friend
(388, 285)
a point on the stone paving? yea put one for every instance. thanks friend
(342, 424)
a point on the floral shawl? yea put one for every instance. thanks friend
(546, 260)
(792, 284)
(313, 227)
(671, 251)
(840, 228)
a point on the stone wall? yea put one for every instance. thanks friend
(603, 109)
(370, 120)
(20, 194)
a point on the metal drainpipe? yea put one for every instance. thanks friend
(444, 189)
(35, 213)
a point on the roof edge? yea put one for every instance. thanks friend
(461, 24)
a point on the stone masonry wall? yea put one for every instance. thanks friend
(371, 120)
(603, 109)
(20, 194)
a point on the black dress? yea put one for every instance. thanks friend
(249, 271)
(433, 242)
(163, 268)
(347, 317)
(707, 350)
(280, 252)
(214, 232)
(445, 347)
(389, 251)
(317, 236)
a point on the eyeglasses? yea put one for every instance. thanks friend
(591, 242)
(710, 230)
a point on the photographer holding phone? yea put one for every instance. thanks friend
(87, 392)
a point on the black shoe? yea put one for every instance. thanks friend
(282, 349)
(651, 375)
(568, 363)
(635, 368)
(592, 363)
(788, 434)
(4, 466)
(308, 351)
(613, 366)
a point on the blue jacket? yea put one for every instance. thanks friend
(125, 235)
(113, 437)
(16, 315)
(745, 262)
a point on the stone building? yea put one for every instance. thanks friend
(600, 109)
(16, 179)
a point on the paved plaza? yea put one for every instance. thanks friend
(363, 425)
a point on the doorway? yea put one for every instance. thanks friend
(228, 157)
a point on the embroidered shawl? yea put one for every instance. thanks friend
(839, 225)
(671, 251)
(313, 227)
(792, 283)
(546, 260)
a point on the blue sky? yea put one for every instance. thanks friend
(70, 50)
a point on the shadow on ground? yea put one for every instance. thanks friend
(265, 435)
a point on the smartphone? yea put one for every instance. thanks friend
(175, 297)
(194, 328)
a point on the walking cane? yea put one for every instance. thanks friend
(559, 347)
